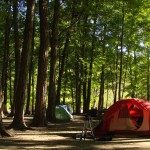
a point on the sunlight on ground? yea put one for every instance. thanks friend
(62, 136)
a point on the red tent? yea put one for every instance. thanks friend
(126, 116)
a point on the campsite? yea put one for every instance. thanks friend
(74, 74)
(61, 136)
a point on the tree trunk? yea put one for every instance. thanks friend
(133, 76)
(28, 111)
(121, 54)
(10, 83)
(17, 50)
(83, 73)
(125, 76)
(40, 107)
(87, 104)
(65, 87)
(61, 70)
(3, 131)
(148, 74)
(33, 94)
(134, 94)
(78, 88)
(18, 120)
(6, 53)
(72, 96)
(83, 64)
(102, 77)
(52, 80)
(101, 95)
(115, 83)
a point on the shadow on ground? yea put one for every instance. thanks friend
(62, 136)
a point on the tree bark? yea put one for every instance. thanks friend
(17, 50)
(3, 131)
(101, 95)
(121, 54)
(87, 105)
(83, 64)
(53, 55)
(31, 75)
(102, 76)
(6, 53)
(40, 107)
(78, 86)
(61, 70)
(18, 120)
(115, 84)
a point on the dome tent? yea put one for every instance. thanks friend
(63, 113)
(130, 116)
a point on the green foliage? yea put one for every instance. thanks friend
(107, 36)
(77, 18)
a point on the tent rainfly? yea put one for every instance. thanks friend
(131, 116)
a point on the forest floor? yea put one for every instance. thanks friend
(62, 136)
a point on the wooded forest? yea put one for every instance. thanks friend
(81, 53)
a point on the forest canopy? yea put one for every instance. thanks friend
(81, 53)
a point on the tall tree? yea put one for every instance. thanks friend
(40, 106)
(102, 76)
(83, 64)
(75, 35)
(31, 74)
(17, 49)
(61, 70)
(115, 83)
(86, 102)
(78, 85)
(18, 120)
(6, 51)
(121, 51)
(53, 57)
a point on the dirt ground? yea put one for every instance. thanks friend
(62, 136)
